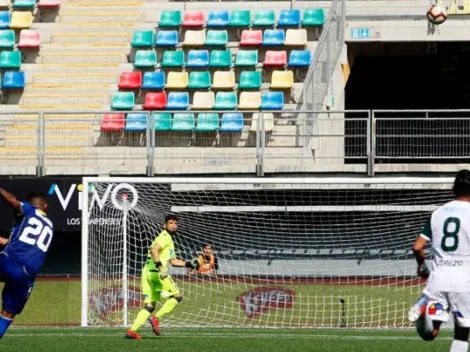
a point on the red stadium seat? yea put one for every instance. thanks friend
(155, 101)
(29, 38)
(251, 38)
(49, 3)
(275, 58)
(130, 80)
(193, 18)
(113, 122)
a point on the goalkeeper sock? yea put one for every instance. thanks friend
(459, 346)
(140, 320)
(4, 324)
(166, 308)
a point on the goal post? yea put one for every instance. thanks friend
(292, 252)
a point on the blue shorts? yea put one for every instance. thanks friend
(18, 285)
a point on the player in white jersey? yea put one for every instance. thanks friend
(448, 286)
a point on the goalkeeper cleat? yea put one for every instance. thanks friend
(154, 322)
(418, 309)
(132, 335)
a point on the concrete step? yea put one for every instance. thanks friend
(82, 57)
(91, 37)
(87, 17)
(106, 4)
(65, 98)
(54, 48)
(53, 78)
(71, 87)
(49, 106)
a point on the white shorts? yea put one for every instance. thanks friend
(440, 304)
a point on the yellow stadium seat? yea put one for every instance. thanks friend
(250, 100)
(21, 19)
(268, 122)
(203, 100)
(177, 80)
(4, 3)
(282, 79)
(194, 38)
(296, 37)
(224, 80)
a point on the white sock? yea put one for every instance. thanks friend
(459, 346)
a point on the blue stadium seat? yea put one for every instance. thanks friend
(183, 122)
(178, 101)
(198, 59)
(153, 80)
(167, 38)
(273, 37)
(232, 122)
(289, 18)
(13, 80)
(217, 18)
(272, 101)
(136, 122)
(300, 58)
(4, 19)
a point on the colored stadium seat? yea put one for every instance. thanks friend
(226, 101)
(296, 37)
(29, 38)
(123, 101)
(170, 19)
(250, 100)
(155, 101)
(250, 80)
(21, 19)
(24, 4)
(221, 59)
(203, 100)
(113, 122)
(198, 59)
(183, 122)
(130, 80)
(300, 58)
(273, 37)
(49, 3)
(313, 17)
(177, 80)
(10, 59)
(172, 58)
(251, 38)
(289, 18)
(268, 121)
(136, 122)
(199, 80)
(193, 18)
(217, 18)
(207, 122)
(142, 39)
(275, 58)
(246, 58)
(231, 122)
(7, 39)
(13, 80)
(240, 18)
(4, 3)
(178, 101)
(194, 38)
(153, 80)
(145, 59)
(216, 38)
(162, 121)
(4, 19)
(282, 79)
(264, 18)
(167, 38)
(224, 80)
(272, 101)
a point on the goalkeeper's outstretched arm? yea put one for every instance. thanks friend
(190, 264)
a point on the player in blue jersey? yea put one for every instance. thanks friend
(24, 253)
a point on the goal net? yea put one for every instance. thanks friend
(291, 252)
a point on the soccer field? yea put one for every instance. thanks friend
(227, 340)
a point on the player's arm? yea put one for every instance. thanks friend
(11, 200)
(418, 249)
(190, 264)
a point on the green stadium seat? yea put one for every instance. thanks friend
(162, 121)
(216, 38)
(313, 17)
(240, 18)
(199, 80)
(145, 59)
(10, 59)
(24, 4)
(226, 101)
(221, 58)
(208, 122)
(250, 80)
(264, 18)
(7, 39)
(123, 101)
(169, 19)
(142, 39)
(247, 58)
(183, 122)
(172, 58)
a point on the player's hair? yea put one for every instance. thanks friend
(461, 186)
(206, 244)
(41, 196)
(171, 217)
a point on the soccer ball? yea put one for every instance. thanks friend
(436, 14)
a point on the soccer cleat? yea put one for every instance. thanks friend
(418, 309)
(154, 322)
(132, 335)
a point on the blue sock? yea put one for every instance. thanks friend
(4, 324)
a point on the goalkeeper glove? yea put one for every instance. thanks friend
(193, 264)
(161, 270)
(423, 271)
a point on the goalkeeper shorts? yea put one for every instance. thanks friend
(153, 287)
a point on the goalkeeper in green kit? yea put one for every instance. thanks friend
(155, 279)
